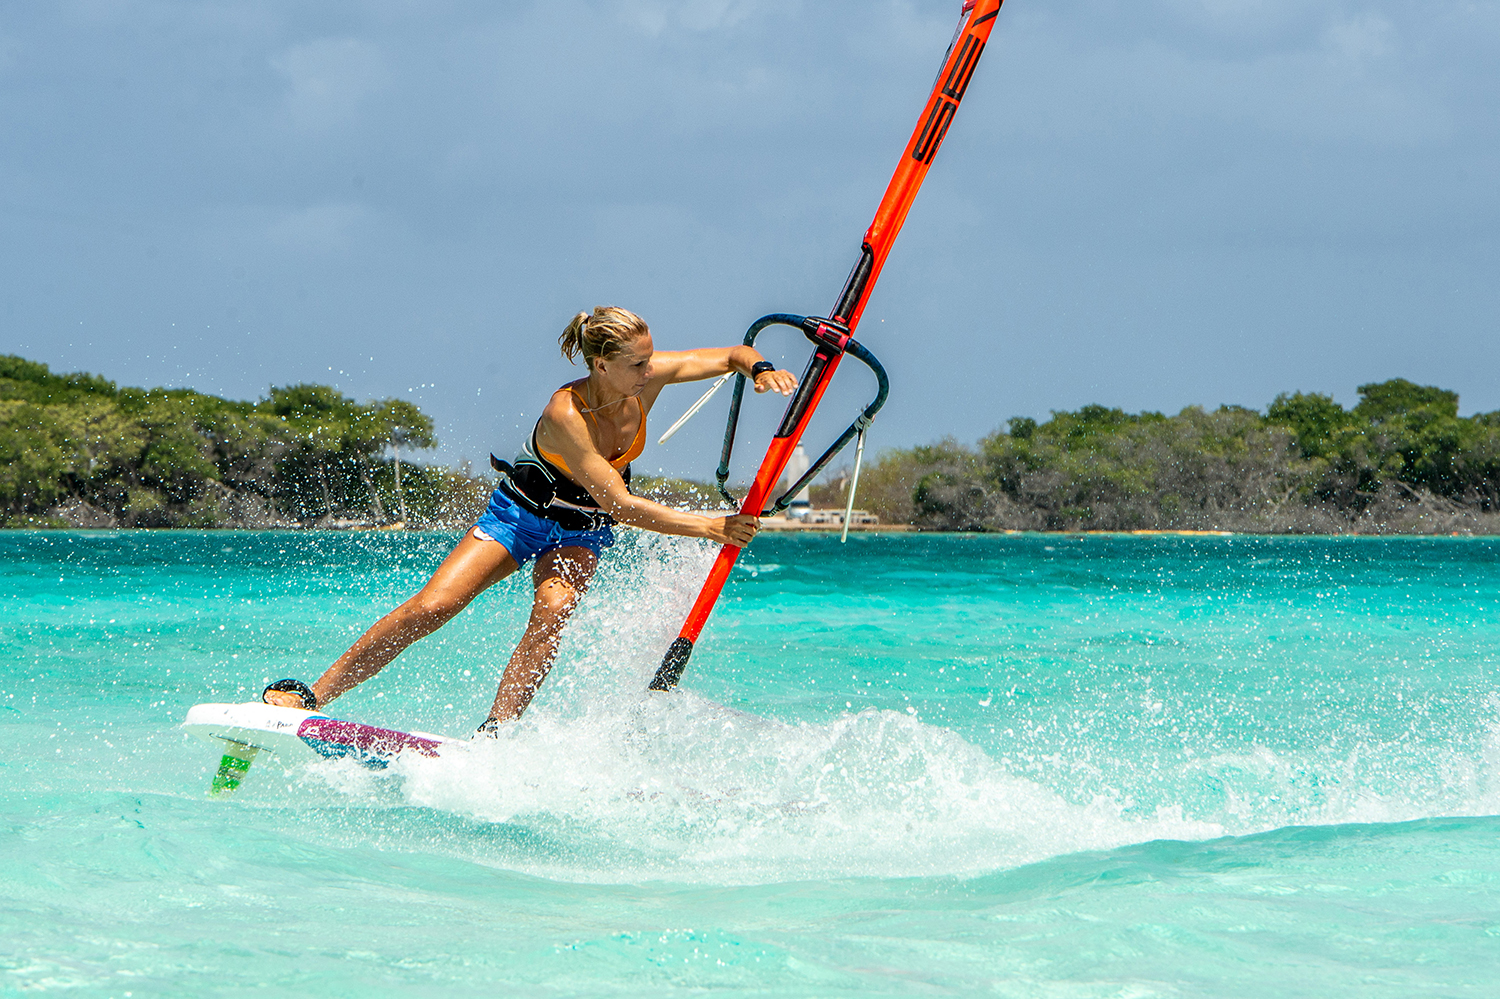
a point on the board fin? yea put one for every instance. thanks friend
(233, 767)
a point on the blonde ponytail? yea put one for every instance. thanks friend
(571, 340)
(602, 334)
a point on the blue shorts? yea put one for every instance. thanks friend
(527, 536)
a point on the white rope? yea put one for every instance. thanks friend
(859, 456)
(693, 409)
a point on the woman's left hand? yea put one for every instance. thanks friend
(776, 381)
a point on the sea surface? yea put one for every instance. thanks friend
(927, 765)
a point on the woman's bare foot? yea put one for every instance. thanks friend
(291, 693)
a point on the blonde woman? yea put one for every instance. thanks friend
(554, 506)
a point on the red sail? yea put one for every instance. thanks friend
(832, 337)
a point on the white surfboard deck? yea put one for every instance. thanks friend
(295, 735)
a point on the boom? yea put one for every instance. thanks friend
(833, 337)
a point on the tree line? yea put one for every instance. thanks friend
(77, 450)
(1402, 460)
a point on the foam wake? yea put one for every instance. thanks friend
(622, 784)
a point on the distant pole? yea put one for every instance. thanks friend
(398, 434)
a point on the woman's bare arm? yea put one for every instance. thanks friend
(673, 366)
(566, 433)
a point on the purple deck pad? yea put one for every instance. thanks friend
(371, 746)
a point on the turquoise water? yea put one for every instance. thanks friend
(912, 765)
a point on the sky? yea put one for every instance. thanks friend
(1148, 205)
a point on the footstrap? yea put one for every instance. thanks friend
(309, 699)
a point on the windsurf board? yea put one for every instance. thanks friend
(245, 730)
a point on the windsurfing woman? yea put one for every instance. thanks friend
(554, 506)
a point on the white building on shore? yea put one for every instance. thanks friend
(796, 467)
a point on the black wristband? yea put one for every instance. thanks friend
(759, 368)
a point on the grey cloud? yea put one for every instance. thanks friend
(321, 228)
(329, 79)
(1145, 204)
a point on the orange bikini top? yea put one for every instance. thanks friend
(631, 453)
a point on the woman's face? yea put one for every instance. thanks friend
(629, 370)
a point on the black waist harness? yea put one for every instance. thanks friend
(539, 487)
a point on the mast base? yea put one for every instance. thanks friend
(672, 664)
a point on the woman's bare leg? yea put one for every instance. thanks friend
(471, 568)
(561, 578)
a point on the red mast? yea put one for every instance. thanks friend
(831, 336)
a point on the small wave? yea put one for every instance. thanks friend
(695, 791)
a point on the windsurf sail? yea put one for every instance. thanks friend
(833, 336)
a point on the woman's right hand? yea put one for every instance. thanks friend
(737, 530)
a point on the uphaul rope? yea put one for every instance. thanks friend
(832, 337)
